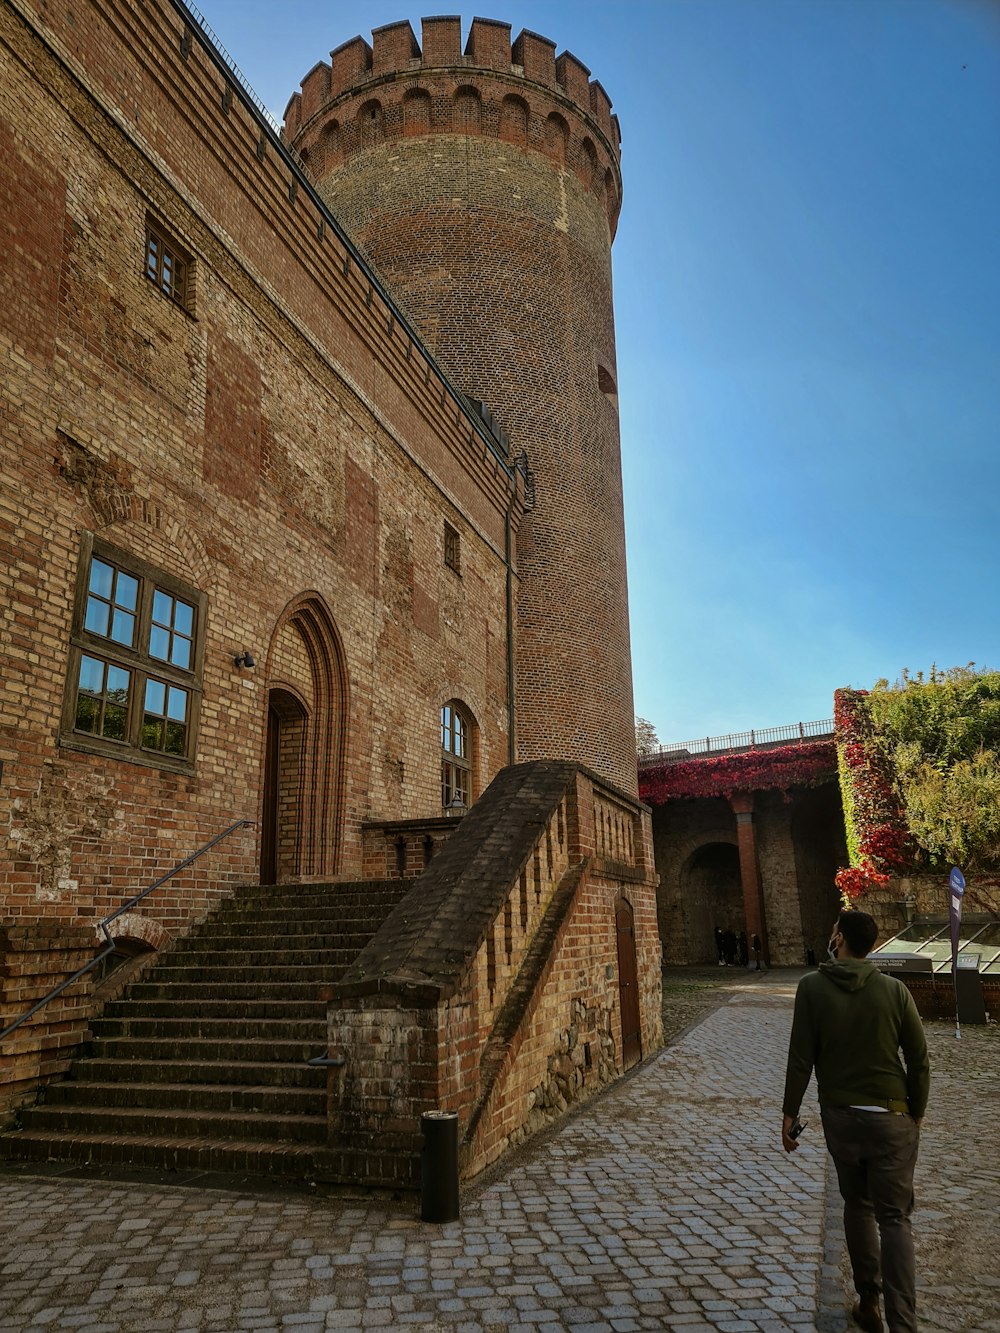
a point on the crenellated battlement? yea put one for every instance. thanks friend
(520, 91)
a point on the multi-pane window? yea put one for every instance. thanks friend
(456, 757)
(134, 682)
(167, 266)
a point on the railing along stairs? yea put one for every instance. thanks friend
(103, 925)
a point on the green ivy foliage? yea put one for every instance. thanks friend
(941, 738)
(847, 800)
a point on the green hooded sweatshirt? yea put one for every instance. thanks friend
(851, 1022)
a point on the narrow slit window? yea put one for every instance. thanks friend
(452, 548)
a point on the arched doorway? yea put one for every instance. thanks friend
(712, 895)
(302, 793)
(280, 841)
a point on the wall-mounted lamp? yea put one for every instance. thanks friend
(245, 659)
(456, 806)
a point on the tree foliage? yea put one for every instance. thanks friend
(646, 739)
(941, 738)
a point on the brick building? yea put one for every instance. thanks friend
(313, 527)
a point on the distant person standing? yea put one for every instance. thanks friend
(729, 948)
(720, 948)
(755, 945)
(741, 946)
(850, 1024)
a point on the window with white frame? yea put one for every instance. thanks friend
(456, 756)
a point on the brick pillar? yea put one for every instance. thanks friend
(753, 889)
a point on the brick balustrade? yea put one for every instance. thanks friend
(493, 989)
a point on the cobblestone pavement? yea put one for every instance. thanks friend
(667, 1203)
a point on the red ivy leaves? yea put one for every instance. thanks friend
(857, 880)
(802, 765)
(884, 841)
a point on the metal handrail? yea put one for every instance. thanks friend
(740, 740)
(103, 925)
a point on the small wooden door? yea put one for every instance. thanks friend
(269, 815)
(628, 984)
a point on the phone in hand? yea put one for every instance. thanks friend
(797, 1128)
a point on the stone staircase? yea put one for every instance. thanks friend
(202, 1064)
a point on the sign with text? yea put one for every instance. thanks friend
(903, 962)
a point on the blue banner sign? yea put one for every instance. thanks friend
(956, 883)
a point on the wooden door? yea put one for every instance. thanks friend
(628, 984)
(269, 816)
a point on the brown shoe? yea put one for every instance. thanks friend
(866, 1314)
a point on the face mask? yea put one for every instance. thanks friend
(831, 950)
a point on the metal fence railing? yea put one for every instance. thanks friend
(738, 740)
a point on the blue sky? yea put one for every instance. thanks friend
(807, 295)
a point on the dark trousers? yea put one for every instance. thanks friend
(875, 1153)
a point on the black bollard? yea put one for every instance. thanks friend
(439, 1167)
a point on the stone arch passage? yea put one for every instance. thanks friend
(711, 895)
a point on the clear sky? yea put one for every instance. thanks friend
(807, 294)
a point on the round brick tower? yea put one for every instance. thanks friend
(485, 187)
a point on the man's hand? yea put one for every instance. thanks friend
(787, 1142)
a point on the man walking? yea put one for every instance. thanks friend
(850, 1024)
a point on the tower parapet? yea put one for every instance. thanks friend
(484, 184)
(395, 87)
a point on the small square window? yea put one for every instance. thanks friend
(168, 267)
(452, 549)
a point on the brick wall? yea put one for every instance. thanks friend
(285, 447)
(33, 960)
(498, 170)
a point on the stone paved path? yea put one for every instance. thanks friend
(666, 1204)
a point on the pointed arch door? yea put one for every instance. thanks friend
(302, 796)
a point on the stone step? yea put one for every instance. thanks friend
(257, 945)
(225, 974)
(291, 896)
(193, 1070)
(234, 1031)
(176, 1003)
(198, 1050)
(258, 958)
(333, 925)
(290, 1161)
(202, 1063)
(232, 1097)
(173, 1123)
(242, 991)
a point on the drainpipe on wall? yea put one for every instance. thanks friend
(510, 633)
